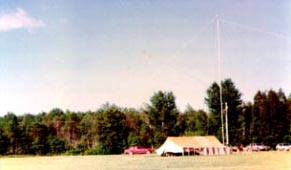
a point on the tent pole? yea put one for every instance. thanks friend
(226, 124)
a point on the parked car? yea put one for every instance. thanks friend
(138, 150)
(257, 147)
(283, 147)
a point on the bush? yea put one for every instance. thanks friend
(74, 152)
(93, 152)
(57, 145)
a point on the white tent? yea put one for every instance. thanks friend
(202, 145)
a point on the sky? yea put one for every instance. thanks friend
(79, 55)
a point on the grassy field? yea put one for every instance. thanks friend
(242, 161)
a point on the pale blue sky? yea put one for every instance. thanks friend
(78, 55)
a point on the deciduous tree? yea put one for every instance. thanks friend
(162, 113)
(111, 129)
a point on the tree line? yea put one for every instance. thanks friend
(265, 120)
(111, 129)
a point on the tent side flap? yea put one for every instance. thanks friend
(169, 147)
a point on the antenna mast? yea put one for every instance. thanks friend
(219, 76)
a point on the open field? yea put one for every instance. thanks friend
(241, 161)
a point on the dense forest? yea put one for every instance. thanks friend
(110, 129)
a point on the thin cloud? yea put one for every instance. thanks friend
(19, 20)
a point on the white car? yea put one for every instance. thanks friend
(257, 147)
(283, 147)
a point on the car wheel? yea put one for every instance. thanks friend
(148, 152)
(130, 153)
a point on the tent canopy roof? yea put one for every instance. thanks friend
(177, 144)
(196, 141)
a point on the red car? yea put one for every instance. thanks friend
(138, 150)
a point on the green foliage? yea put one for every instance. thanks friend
(162, 114)
(111, 129)
(181, 127)
(93, 152)
(88, 131)
(231, 96)
(11, 131)
(213, 102)
(75, 151)
(270, 123)
(57, 145)
(201, 123)
(3, 143)
(133, 139)
(138, 128)
(247, 125)
(195, 122)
